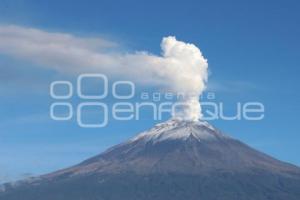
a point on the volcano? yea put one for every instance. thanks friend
(176, 160)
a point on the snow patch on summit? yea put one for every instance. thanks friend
(178, 129)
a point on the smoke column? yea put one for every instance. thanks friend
(187, 74)
(181, 67)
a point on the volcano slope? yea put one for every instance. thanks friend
(176, 160)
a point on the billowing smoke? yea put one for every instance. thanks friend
(181, 67)
(188, 70)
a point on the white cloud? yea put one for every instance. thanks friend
(180, 68)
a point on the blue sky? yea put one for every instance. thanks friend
(252, 49)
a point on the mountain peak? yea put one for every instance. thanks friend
(178, 159)
(175, 129)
